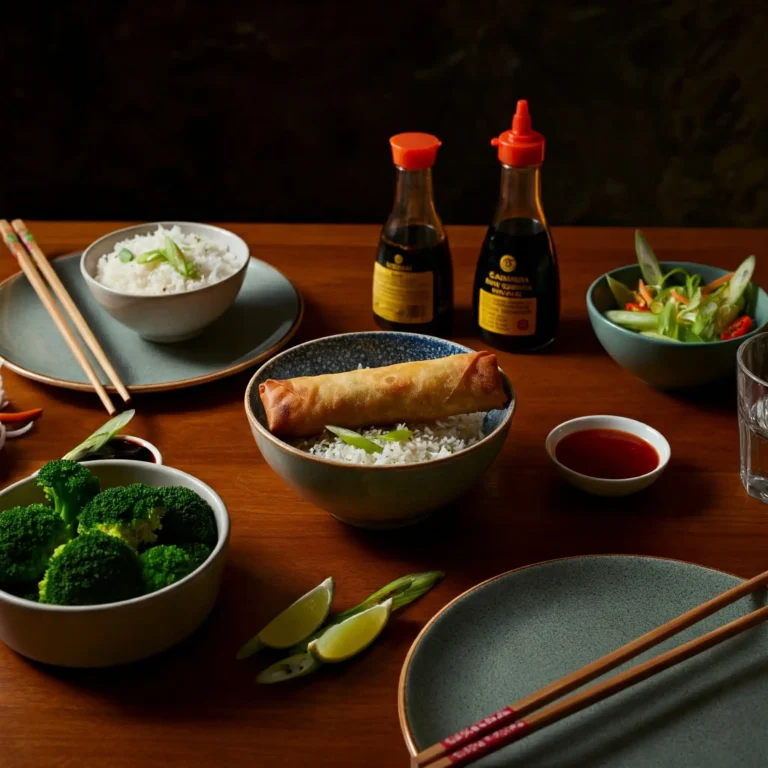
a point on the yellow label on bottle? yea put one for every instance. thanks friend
(403, 297)
(507, 316)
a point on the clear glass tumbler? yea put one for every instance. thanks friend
(753, 415)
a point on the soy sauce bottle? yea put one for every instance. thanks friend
(516, 300)
(413, 274)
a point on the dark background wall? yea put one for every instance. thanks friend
(655, 112)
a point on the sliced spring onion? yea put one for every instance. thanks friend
(125, 255)
(673, 273)
(649, 264)
(175, 257)
(150, 256)
(102, 435)
(396, 436)
(355, 439)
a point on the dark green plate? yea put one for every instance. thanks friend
(264, 317)
(514, 634)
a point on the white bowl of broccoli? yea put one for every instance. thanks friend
(109, 562)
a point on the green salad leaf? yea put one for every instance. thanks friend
(649, 264)
(620, 292)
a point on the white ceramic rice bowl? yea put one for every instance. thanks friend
(174, 316)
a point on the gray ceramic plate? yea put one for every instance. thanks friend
(264, 317)
(516, 633)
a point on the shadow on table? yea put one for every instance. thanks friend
(649, 503)
(180, 683)
(719, 397)
(576, 337)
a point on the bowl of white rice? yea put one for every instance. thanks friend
(166, 280)
(404, 482)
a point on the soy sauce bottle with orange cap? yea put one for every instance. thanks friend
(413, 274)
(516, 300)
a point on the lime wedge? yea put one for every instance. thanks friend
(295, 623)
(294, 666)
(342, 641)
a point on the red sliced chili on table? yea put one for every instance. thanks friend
(20, 418)
(630, 306)
(737, 328)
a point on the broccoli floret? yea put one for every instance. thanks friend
(92, 569)
(28, 537)
(188, 518)
(164, 564)
(70, 486)
(132, 513)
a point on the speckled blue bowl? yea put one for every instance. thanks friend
(372, 496)
(665, 364)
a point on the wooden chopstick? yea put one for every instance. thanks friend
(578, 701)
(586, 674)
(70, 308)
(17, 249)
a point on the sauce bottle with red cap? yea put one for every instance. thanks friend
(516, 300)
(413, 274)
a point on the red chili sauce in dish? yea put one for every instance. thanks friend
(609, 454)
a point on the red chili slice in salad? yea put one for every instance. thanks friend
(737, 328)
(630, 306)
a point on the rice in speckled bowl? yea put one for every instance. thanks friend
(446, 458)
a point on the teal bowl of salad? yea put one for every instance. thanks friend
(676, 325)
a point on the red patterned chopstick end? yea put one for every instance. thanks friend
(490, 723)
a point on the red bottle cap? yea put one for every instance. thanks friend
(522, 145)
(414, 151)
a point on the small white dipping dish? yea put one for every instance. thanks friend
(600, 486)
(173, 316)
(116, 633)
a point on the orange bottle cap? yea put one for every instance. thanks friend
(414, 151)
(522, 145)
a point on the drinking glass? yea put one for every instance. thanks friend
(753, 415)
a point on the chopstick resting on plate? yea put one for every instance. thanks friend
(49, 273)
(38, 284)
(512, 722)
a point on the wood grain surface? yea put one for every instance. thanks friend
(195, 706)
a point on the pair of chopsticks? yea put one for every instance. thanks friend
(31, 259)
(513, 722)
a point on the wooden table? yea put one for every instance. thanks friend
(195, 706)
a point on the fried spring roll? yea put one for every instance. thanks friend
(407, 392)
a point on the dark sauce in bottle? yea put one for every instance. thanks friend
(516, 294)
(122, 448)
(420, 253)
(412, 274)
(517, 285)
